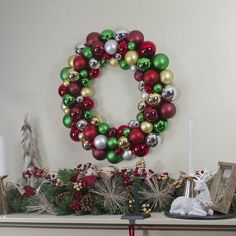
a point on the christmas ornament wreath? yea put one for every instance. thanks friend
(128, 50)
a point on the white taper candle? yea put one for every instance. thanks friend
(190, 147)
(3, 170)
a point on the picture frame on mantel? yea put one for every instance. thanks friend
(223, 187)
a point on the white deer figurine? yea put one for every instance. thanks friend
(198, 206)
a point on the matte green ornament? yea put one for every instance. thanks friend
(106, 35)
(83, 73)
(103, 128)
(112, 143)
(113, 158)
(158, 88)
(67, 121)
(140, 117)
(68, 100)
(124, 65)
(63, 73)
(143, 64)
(161, 126)
(126, 132)
(160, 61)
(88, 114)
(85, 82)
(87, 52)
(131, 46)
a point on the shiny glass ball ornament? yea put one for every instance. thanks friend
(63, 73)
(66, 82)
(80, 63)
(68, 100)
(85, 145)
(131, 46)
(71, 60)
(90, 132)
(133, 124)
(81, 136)
(81, 124)
(127, 155)
(167, 110)
(100, 142)
(63, 106)
(67, 111)
(147, 49)
(79, 99)
(143, 64)
(169, 93)
(136, 136)
(112, 143)
(114, 62)
(150, 114)
(103, 128)
(99, 154)
(85, 82)
(140, 117)
(79, 47)
(135, 36)
(160, 126)
(94, 73)
(72, 75)
(122, 48)
(144, 96)
(141, 86)
(74, 89)
(141, 150)
(142, 105)
(123, 143)
(146, 127)
(88, 114)
(126, 132)
(62, 90)
(98, 49)
(67, 120)
(88, 103)
(166, 77)
(152, 140)
(92, 38)
(138, 75)
(133, 68)
(112, 132)
(118, 56)
(111, 46)
(113, 158)
(86, 92)
(160, 61)
(158, 88)
(124, 65)
(95, 120)
(74, 134)
(106, 34)
(84, 74)
(94, 64)
(151, 77)
(76, 112)
(153, 99)
(87, 52)
(120, 34)
(131, 57)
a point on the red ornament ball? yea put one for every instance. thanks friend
(74, 134)
(118, 151)
(151, 77)
(80, 63)
(136, 136)
(92, 38)
(122, 48)
(99, 154)
(147, 88)
(136, 37)
(76, 112)
(138, 75)
(167, 110)
(150, 114)
(90, 132)
(121, 129)
(74, 89)
(112, 132)
(147, 49)
(62, 90)
(94, 73)
(98, 49)
(88, 103)
(141, 150)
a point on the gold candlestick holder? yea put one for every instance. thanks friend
(3, 197)
(189, 187)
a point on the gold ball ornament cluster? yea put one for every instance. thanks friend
(129, 51)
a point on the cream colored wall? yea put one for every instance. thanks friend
(198, 36)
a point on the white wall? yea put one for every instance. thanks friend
(37, 37)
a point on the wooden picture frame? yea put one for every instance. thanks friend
(223, 187)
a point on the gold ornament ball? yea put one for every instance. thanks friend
(66, 82)
(81, 136)
(123, 143)
(72, 75)
(86, 92)
(96, 120)
(71, 60)
(166, 77)
(142, 106)
(67, 111)
(114, 62)
(146, 127)
(131, 57)
(153, 99)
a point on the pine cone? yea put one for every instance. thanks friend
(61, 197)
(87, 203)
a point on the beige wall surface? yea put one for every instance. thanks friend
(37, 37)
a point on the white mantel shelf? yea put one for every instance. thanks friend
(158, 221)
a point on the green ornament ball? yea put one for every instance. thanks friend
(140, 117)
(103, 128)
(63, 73)
(87, 52)
(83, 73)
(157, 88)
(160, 61)
(131, 46)
(113, 158)
(88, 114)
(68, 100)
(85, 82)
(112, 142)
(124, 65)
(161, 126)
(106, 35)
(126, 132)
(143, 64)
(67, 121)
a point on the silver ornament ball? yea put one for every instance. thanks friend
(121, 34)
(144, 95)
(169, 93)
(152, 140)
(79, 99)
(141, 85)
(94, 64)
(118, 56)
(127, 155)
(85, 145)
(133, 124)
(81, 124)
(100, 141)
(79, 47)
(133, 68)
(111, 46)
(63, 106)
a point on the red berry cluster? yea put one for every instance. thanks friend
(36, 172)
